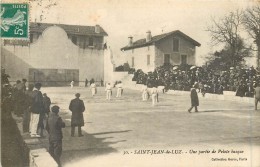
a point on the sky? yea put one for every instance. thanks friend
(124, 18)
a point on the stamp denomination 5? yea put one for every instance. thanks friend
(15, 21)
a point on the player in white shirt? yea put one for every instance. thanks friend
(154, 93)
(72, 84)
(144, 93)
(108, 91)
(119, 89)
(93, 88)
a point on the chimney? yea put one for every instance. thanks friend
(130, 42)
(97, 29)
(148, 36)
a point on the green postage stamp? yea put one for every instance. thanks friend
(15, 21)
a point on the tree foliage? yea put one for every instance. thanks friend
(251, 22)
(226, 31)
(222, 60)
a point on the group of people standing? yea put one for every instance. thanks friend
(32, 105)
(108, 89)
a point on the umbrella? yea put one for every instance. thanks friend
(192, 67)
(175, 68)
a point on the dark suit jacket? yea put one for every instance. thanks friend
(37, 104)
(54, 126)
(194, 97)
(77, 108)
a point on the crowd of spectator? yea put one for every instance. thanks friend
(206, 80)
(25, 102)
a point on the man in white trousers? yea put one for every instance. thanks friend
(93, 88)
(154, 93)
(119, 89)
(108, 91)
(36, 108)
(144, 93)
(72, 84)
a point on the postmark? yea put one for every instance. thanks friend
(15, 21)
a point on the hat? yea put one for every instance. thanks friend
(192, 67)
(38, 85)
(55, 109)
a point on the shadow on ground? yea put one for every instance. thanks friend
(77, 148)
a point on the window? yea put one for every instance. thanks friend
(183, 59)
(175, 44)
(133, 61)
(91, 41)
(74, 39)
(148, 59)
(167, 59)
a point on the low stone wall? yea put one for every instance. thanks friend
(226, 96)
(41, 158)
(35, 148)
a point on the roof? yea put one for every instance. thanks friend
(70, 29)
(142, 42)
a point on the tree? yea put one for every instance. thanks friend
(222, 60)
(251, 22)
(226, 31)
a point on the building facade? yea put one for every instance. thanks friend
(56, 54)
(173, 48)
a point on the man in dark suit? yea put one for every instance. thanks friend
(194, 99)
(77, 108)
(257, 95)
(54, 128)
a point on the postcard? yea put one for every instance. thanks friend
(130, 83)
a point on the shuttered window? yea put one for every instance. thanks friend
(175, 45)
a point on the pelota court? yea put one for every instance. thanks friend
(130, 125)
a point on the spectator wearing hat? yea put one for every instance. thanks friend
(18, 94)
(36, 108)
(194, 99)
(77, 108)
(54, 128)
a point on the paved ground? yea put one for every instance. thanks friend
(128, 125)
